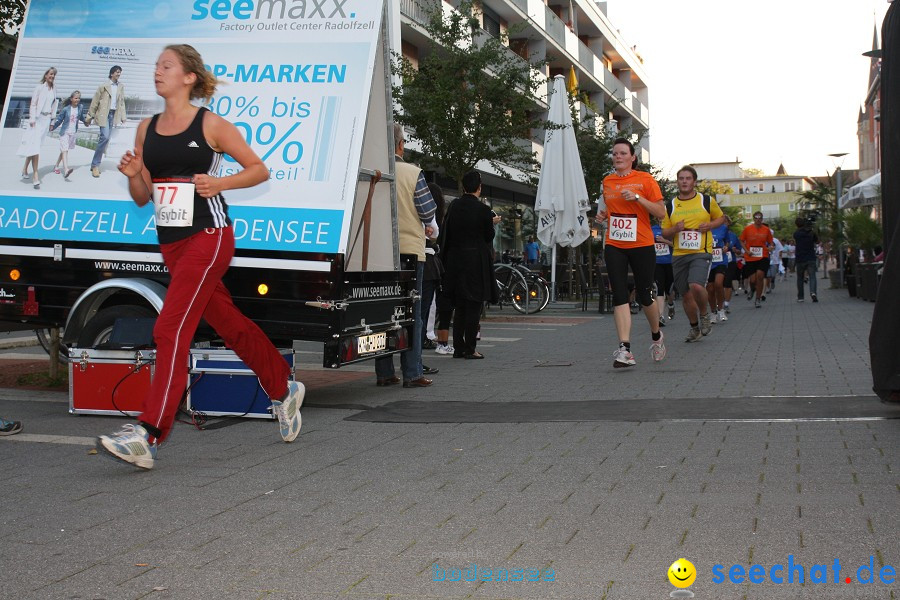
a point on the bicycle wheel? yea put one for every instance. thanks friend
(536, 296)
(538, 290)
(530, 292)
(515, 287)
(520, 299)
(545, 287)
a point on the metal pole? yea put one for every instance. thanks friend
(553, 274)
(840, 227)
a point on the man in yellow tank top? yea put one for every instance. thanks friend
(688, 222)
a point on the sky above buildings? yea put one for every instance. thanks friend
(766, 82)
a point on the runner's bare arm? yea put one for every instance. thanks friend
(223, 136)
(132, 166)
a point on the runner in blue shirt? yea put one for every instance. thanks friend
(731, 272)
(715, 285)
(665, 281)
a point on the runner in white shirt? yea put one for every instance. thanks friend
(774, 263)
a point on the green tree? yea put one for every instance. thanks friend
(12, 12)
(470, 99)
(752, 172)
(820, 205)
(595, 151)
(738, 220)
(713, 188)
(782, 228)
(861, 231)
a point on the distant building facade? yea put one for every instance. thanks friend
(868, 125)
(774, 195)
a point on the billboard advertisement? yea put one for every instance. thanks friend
(295, 78)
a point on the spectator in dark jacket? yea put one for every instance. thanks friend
(466, 252)
(805, 241)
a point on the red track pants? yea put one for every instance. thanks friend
(197, 265)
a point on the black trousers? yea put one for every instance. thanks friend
(465, 325)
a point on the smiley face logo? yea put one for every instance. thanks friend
(682, 573)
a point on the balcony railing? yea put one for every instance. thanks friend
(555, 28)
(481, 36)
(521, 5)
(419, 10)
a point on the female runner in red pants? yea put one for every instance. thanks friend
(175, 154)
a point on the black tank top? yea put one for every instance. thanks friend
(184, 155)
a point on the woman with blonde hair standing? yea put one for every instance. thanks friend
(175, 156)
(40, 112)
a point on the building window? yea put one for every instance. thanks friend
(770, 211)
(792, 207)
(491, 21)
(411, 53)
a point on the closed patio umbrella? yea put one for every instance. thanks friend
(562, 199)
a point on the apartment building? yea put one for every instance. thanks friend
(774, 195)
(568, 34)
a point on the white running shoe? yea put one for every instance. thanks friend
(713, 317)
(129, 445)
(693, 335)
(722, 316)
(288, 411)
(623, 358)
(658, 348)
(444, 349)
(705, 324)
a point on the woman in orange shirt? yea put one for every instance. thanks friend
(631, 198)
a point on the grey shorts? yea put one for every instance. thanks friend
(690, 268)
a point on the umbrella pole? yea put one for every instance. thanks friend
(553, 275)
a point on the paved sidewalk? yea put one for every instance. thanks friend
(17, 339)
(607, 500)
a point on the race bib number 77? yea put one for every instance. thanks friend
(173, 201)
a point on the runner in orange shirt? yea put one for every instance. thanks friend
(758, 240)
(631, 197)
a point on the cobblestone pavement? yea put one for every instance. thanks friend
(601, 500)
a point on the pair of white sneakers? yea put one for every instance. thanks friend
(718, 316)
(623, 357)
(132, 443)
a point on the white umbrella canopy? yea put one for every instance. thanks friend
(562, 199)
(859, 194)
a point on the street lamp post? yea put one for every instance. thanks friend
(838, 159)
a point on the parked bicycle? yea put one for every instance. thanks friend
(538, 287)
(522, 288)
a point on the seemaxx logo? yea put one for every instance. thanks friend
(243, 10)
